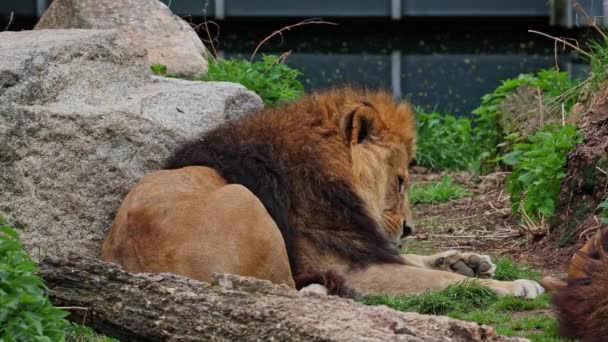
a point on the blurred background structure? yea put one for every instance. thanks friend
(441, 54)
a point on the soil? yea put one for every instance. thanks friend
(483, 222)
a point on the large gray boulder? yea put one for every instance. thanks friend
(149, 24)
(81, 120)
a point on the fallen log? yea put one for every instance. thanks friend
(164, 307)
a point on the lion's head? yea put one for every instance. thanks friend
(369, 138)
(381, 136)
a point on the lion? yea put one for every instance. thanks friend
(313, 189)
(581, 302)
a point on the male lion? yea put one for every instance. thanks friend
(318, 186)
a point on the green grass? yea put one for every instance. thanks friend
(473, 302)
(507, 269)
(436, 192)
(80, 333)
(598, 61)
(444, 142)
(458, 297)
(604, 208)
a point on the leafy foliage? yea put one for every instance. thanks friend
(436, 192)
(444, 142)
(538, 169)
(25, 311)
(487, 131)
(269, 77)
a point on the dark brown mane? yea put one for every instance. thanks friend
(287, 157)
(582, 306)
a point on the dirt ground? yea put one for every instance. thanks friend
(483, 222)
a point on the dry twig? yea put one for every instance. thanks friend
(288, 28)
(10, 21)
(563, 41)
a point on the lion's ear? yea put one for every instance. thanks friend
(356, 126)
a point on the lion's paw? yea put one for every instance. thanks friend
(527, 288)
(467, 264)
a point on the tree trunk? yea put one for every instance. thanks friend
(163, 307)
(586, 183)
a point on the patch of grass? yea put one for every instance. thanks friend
(599, 61)
(80, 333)
(158, 69)
(604, 207)
(436, 192)
(507, 269)
(538, 168)
(418, 247)
(444, 142)
(269, 77)
(464, 296)
(473, 302)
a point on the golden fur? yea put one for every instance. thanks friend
(318, 185)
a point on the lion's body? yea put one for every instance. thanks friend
(175, 221)
(312, 186)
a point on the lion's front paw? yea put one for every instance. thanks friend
(467, 264)
(527, 288)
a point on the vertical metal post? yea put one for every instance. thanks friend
(605, 13)
(220, 9)
(41, 6)
(396, 9)
(396, 73)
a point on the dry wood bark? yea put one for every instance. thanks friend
(153, 307)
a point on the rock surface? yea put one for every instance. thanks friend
(81, 120)
(148, 24)
(161, 307)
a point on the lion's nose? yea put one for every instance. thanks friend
(408, 229)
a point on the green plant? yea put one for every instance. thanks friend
(604, 207)
(25, 311)
(444, 142)
(158, 69)
(556, 88)
(269, 77)
(538, 169)
(436, 192)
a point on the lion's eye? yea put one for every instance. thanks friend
(401, 184)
